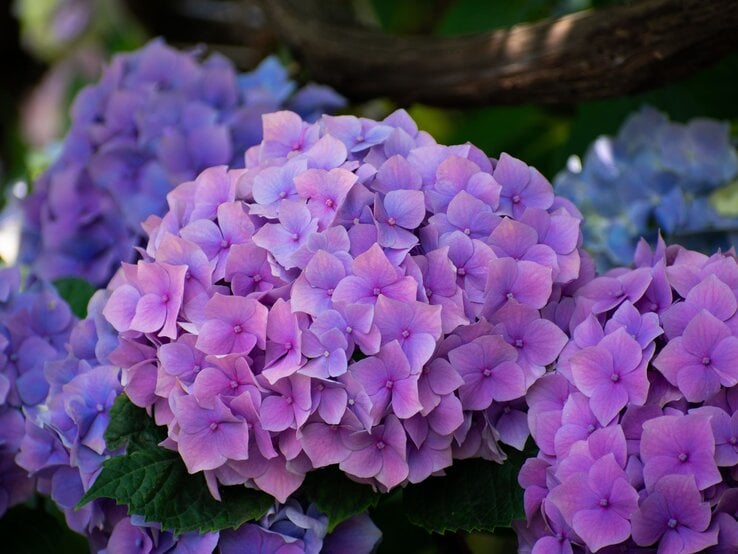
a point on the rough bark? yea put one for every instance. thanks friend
(236, 28)
(586, 55)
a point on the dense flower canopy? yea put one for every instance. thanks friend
(636, 425)
(157, 117)
(655, 176)
(62, 448)
(357, 295)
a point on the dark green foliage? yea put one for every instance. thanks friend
(337, 496)
(77, 293)
(474, 495)
(38, 530)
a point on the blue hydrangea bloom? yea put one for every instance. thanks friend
(654, 176)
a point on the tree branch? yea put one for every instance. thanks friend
(236, 28)
(586, 55)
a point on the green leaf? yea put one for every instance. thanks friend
(131, 425)
(474, 495)
(337, 496)
(154, 483)
(76, 292)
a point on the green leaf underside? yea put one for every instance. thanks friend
(77, 293)
(474, 495)
(154, 483)
(337, 496)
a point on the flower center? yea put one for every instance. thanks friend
(391, 221)
(329, 203)
(351, 401)
(706, 360)
(683, 457)
(288, 346)
(672, 523)
(486, 372)
(283, 195)
(295, 236)
(256, 278)
(467, 231)
(224, 243)
(164, 298)
(349, 329)
(288, 399)
(516, 199)
(321, 387)
(510, 296)
(234, 384)
(461, 271)
(213, 426)
(604, 502)
(196, 368)
(518, 343)
(377, 291)
(733, 441)
(590, 428)
(380, 445)
(359, 138)
(237, 329)
(389, 384)
(326, 353)
(329, 292)
(100, 408)
(405, 333)
(615, 377)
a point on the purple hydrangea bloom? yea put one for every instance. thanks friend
(675, 515)
(156, 118)
(383, 293)
(645, 387)
(62, 448)
(35, 324)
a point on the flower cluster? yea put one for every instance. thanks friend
(637, 427)
(34, 326)
(157, 117)
(63, 448)
(654, 176)
(357, 295)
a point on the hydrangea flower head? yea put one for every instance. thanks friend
(356, 295)
(35, 325)
(654, 176)
(646, 387)
(157, 117)
(62, 448)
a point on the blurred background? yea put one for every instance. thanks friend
(50, 49)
